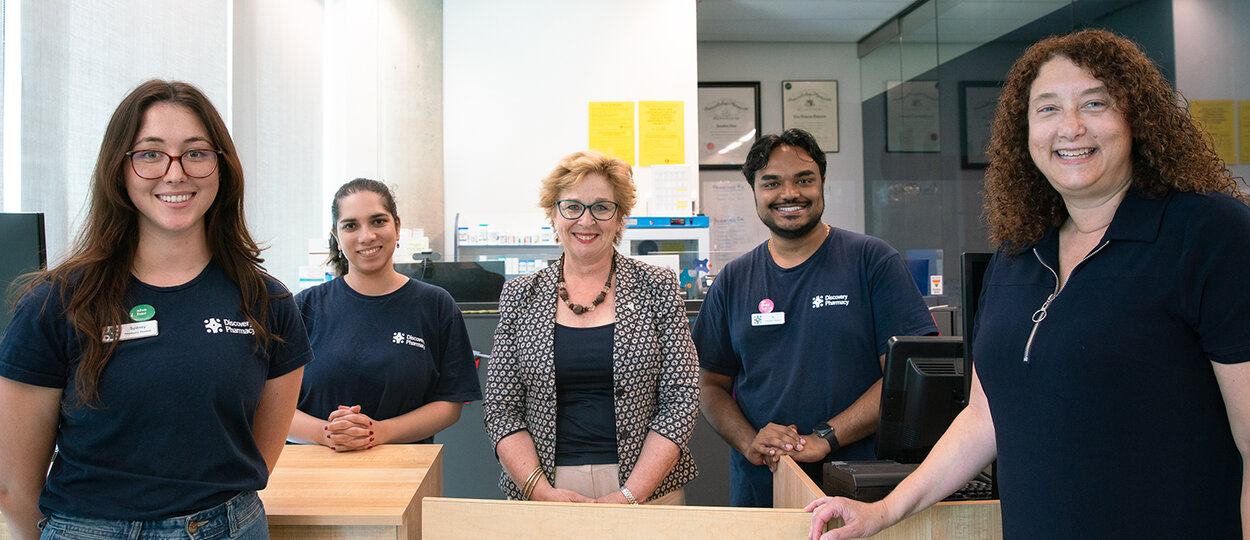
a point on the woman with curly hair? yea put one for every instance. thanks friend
(1111, 340)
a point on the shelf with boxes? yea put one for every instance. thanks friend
(523, 241)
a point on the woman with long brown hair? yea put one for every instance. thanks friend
(1111, 344)
(158, 358)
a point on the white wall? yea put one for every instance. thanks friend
(518, 77)
(384, 104)
(1211, 51)
(78, 60)
(276, 125)
(771, 63)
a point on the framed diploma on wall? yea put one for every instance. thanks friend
(911, 113)
(977, 100)
(813, 107)
(729, 123)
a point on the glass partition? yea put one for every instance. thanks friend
(929, 82)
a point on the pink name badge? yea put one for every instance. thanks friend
(766, 306)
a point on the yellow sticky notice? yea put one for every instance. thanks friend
(661, 133)
(1243, 126)
(1217, 117)
(612, 128)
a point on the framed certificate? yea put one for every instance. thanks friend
(813, 107)
(977, 101)
(911, 112)
(729, 123)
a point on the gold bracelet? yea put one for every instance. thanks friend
(527, 488)
(531, 483)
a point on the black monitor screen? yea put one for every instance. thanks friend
(23, 247)
(922, 391)
(974, 265)
(467, 281)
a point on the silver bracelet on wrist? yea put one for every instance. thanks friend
(628, 496)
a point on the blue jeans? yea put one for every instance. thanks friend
(240, 518)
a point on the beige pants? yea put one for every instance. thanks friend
(598, 480)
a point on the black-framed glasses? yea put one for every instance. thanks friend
(601, 211)
(153, 164)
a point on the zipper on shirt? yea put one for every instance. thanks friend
(1040, 314)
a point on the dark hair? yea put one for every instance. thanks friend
(94, 279)
(757, 157)
(1169, 152)
(337, 259)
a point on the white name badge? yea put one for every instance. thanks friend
(768, 319)
(130, 331)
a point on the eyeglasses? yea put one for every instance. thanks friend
(601, 211)
(153, 164)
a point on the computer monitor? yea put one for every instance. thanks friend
(922, 391)
(23, 249)
(974, 266)
(468, 281)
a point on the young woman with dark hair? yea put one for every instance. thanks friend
(394, 364)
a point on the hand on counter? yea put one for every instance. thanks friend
(544, 492)
(348, 429)
(616, 497)
(773, 441)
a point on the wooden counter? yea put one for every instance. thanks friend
(376, 494)
(457, 519)
(964, 520)
(316, 493)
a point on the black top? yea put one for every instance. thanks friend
(391, 354)
(585, 416)
(1116, 418)
(171, 433)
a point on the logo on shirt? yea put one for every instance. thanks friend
(824, 300)
(214, 325)
(400, 338)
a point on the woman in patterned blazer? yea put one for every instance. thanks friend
(592, 390)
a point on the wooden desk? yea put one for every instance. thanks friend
(456, 519)
(316, 493)
(970, 520)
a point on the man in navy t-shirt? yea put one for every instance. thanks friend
(792, 334)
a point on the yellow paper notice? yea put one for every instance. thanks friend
(612, 128)
(1216, 116)
(1243, 125)
(661, 133)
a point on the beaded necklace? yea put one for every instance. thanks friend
(563, 290)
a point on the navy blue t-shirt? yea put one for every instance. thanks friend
(840, 308)
(390, 354)
(1115, 427)
(172, 431)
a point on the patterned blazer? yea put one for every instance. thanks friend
(655, 368)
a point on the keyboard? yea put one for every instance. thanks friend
(870, 481)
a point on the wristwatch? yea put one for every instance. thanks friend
(825, 432)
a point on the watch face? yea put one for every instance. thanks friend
(822, 430)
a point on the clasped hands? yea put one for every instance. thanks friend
(775, 440)
(348, 429)
(545, 492)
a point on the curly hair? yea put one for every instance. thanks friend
(1169, 152)
(574, 167)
